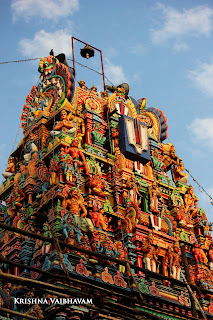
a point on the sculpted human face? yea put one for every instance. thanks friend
(35, 156)
(190, 190)
(63, 115)
(75, 143)
(75, 193)
(172, 152)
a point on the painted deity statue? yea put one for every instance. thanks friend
(175, 262)
(98, 184)
(20, 175)
(10, 170)
(77, 156)
(78, 118)
(167, 262)
(75, 203)
(155, 195)
(32, 165)
(31, 146)
(64, 125)
(133, 189)
(169, 158)
(199, 254)
(46, 246)
(189, 199)
(151, 253)
(179, 175)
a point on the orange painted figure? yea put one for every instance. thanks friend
(75, 203)
(98, 184)
(189, 199)
(32, 166)
(77, 155)
(10, 170)
(179, 175)
(199, 254)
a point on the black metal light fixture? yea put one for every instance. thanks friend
(87, 52)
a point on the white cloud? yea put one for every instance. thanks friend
(180, 46)
(43, 42)
(137, 49)
(114, 72)
(202, 129)
(194, 22)
(51, 9)
(202, 77)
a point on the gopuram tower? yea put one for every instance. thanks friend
(92, 225)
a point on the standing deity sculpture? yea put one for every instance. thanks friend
(155, 196)
(151, 253)
(77, 156)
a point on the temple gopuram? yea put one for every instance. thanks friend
(97, 219)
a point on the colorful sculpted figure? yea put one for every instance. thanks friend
(20, 176)
(10, 170)
(130, 220)
(82, 85)
(167, 262)
(122, 252)
(78, 119)
(115, 137)
(189, 199)
(133, 190)
(169, 158)
(75, 203)
(199, 254)
(31, 146)
(46, 246)
(53, 170)
(19, 196)
(120, 159)
(77, 155)
(98, 184)
(175, 262)
(155, 195)
(179, 175)
(64, 125)
(151, 254)
(69, 169)
(95, 215)
(78, 233)
(94, 90)
(32, 165)
(182, 217)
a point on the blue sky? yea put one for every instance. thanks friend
(163, 49)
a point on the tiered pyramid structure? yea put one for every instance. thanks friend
(89, 212)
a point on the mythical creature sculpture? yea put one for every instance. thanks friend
(75, 203)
